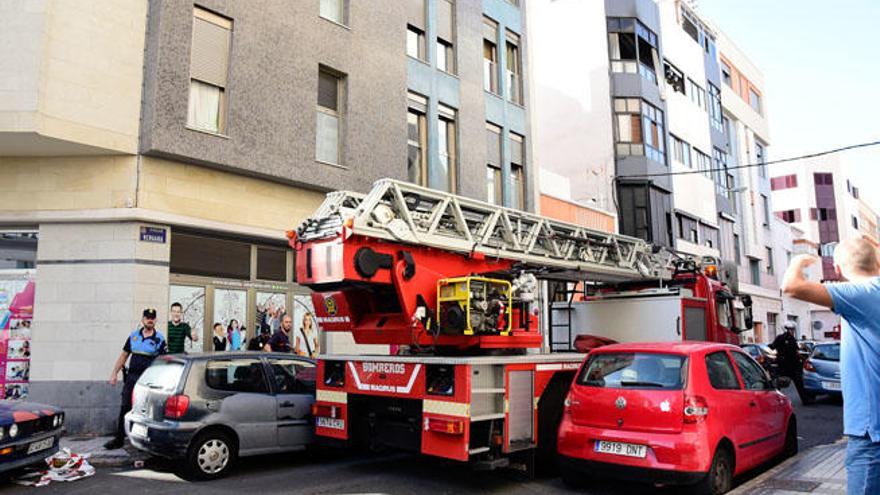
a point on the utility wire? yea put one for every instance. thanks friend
(752, 165)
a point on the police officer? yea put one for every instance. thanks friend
(788, 358)
(143, 345)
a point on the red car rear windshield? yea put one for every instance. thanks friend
(635, 370)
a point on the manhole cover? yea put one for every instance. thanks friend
(792, 485)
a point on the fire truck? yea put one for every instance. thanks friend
(454, 287)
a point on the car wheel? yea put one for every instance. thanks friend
(791, 439)
(719, 479)
(211, 455)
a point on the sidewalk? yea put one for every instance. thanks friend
(818, 470)
(125, 456)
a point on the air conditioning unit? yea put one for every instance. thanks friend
(817, 325)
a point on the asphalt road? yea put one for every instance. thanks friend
(387, 473)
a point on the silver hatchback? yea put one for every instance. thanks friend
(209, 409)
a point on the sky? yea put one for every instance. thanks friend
(821, 65)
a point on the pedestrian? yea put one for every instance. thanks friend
(857, 301)
(179, 330)
(280, 340)
(788, 358)
(219, 337)
(142, 346)
(306, 340)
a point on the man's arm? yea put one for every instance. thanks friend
(795, 285)
(117, 367)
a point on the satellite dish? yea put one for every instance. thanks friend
(817, 325)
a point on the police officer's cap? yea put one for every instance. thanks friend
(150, 313)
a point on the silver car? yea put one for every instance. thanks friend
(209, 409)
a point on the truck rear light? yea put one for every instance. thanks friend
(334, 373)
(695, 409)
(450, 426)
(808, 365)
(325, 411)
(176, 406)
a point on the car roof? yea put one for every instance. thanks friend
(672, 347)
(204, 356)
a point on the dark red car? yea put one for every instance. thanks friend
(673, 413)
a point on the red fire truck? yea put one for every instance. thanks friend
(454, 287)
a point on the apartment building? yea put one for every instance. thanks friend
(156, 152)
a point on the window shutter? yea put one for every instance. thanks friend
(516, 149)
(416, 13)
(445, 16)
(328, 90)
(210, 52)
(493, 145)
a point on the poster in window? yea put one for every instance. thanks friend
(17, 291)
(193, 301)
(230, 310)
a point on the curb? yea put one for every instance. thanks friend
(754, 483)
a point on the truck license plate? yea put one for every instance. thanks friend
(620, 448)
(336, 424)
(138, 430)
(41, 445)
(831, 385)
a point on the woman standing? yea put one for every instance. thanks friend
(306, 340)
(219, 337)
(234, 335)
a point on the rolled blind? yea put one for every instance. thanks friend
(328, 90)
(516, 149)
(444, 19)
(416, 13)
(210, 52)
(493, 145)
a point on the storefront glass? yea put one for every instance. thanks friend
(193, 301)
(18, 252)
(230, 310)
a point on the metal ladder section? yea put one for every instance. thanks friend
(403, 212)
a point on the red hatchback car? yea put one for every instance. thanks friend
(673, 413)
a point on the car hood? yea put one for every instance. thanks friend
(15, 411)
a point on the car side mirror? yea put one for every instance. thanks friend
(781, 382)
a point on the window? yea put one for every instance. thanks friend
(681, 151)
(634, 371)
(721, 176)
(753, 375)
(823, 179)
(709, 235)
(415, 29)
(755, 100)
(517, 161)
(721, 374)
(494, 181)
(789, 216)
(639, 128)
(823, 214)
(445, 36)
(193, 254)
(690, 27)
(444, 176)
(704, 163)
(655, 137)
(236, 375)
(784, 182)
(855, 192)
(674, 77)
(761, 157)
(715, 116)
(490, 55)
(209, 67)
(855, 223)
(755, 271)
(417, 136)
(633, 47)
(292, 376)
(737, 250)
(329, 116)
(725, 74)
(689, 229)
(271, 264)
(771, 325)
(335, 10)
(696, 93)
(765, 204)
(770, 264)
(514, 69)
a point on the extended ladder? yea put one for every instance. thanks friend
(403, 212)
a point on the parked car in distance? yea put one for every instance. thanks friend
(822, 371)
(29, 432)
(209, 409)
(805, 348)
(673, 413)
(763, 355)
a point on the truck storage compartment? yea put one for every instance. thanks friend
(378, 422)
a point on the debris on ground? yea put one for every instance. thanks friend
(63, 465)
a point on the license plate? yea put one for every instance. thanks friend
(620, 448)
(336, 424)
(138, 430)
(831, 385)
(41, 445)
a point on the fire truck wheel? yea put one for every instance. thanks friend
(211, 455)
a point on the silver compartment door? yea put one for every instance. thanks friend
(521, 412)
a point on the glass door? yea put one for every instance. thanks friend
(230, 310)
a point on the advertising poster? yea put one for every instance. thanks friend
(16, 314)
(193, 301)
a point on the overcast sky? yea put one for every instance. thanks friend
(821, 65)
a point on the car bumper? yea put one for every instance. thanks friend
(688, 451)
(818, 384)
(18, 456)
(630, 473)
(167, 439)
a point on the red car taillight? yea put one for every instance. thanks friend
(695, 409)
(808, 365)
(176, 406)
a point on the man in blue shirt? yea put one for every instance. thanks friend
(857, 301)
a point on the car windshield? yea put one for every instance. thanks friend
(634, 370)
(162, 375)
(827, 352)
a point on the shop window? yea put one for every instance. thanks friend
(271, 264)
(193, 254)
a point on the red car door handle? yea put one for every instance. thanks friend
(753, 404)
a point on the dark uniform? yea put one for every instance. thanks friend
(279, 342)
(789, 360)
(142, 351)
